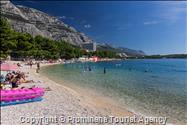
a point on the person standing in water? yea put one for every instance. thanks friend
(89, 68)
(104, 71)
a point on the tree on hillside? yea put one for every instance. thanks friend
(23, 45)
(7, 38)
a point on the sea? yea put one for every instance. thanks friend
(155, 87)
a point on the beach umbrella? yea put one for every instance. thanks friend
(8, 67)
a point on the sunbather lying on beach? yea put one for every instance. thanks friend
(26, 81)
(14, 79)
(46, 89)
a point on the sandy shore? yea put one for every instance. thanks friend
(61, 101)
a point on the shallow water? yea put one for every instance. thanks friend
(153, 87)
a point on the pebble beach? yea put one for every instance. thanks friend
(58, 102)
(65, 105)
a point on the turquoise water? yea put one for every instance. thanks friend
(153, 87)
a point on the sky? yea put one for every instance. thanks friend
(152, 26)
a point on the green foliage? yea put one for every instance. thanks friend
(7, 38)
(20, 45)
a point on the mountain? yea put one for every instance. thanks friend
(35, 22)
(131, 52)
(126, 51)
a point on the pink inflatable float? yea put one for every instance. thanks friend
(21, 94)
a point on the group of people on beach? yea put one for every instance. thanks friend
(13, 79)
(16, 79)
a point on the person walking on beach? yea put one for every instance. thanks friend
(38, 67)
(104, 71)
(30, 64)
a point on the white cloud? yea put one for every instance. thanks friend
(87, 26)
(151, 22)
(62, 17)
(66, 17)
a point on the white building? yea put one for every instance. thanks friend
(89, 46)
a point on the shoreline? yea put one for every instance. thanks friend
(64, 100)
(96, 101)
(103, 102)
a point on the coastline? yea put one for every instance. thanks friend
(110, 108)
(63, 100)
(94, 100)
(60, 101)
(107, 105)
